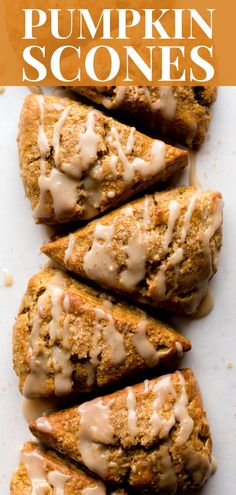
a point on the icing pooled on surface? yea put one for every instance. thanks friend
(95, 432)
(41, 481)
(144, 348)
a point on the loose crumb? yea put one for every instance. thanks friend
(229, 366)
(8, 278)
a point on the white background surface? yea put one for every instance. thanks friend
(213, 338)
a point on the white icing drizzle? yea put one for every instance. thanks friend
(179, 348)
(167, 479)
(93, 197)
(113, 164)
(161, 283)
(57, 134)
(132, 415)
(193, 178)
(35, 383)
(111, 102)
(104, 330)
(166, 103)
(98, 489)
(94, 420)
(70, 248)
(57, 480)
(58, 107)
(192, 130)
(188, 216)
(206, 306)
(88, 142)
(34, 408)
(156, 164)
(113, 338)
(146, 386)
(43, 425)
(137, 249)
(162, 425)
(39, 478)
(177, 256)
(90, 368)
(98, 262)
(35, 90)
(199, 465)
(94, 456)
(130, 141)
(136, 261)
(146, 210)
(66, 303)
(42, 138)
(95, 427)
(174, 213)
(64, 194)
(215, 223)
(87, 149)
(144, 348)
(33, 461)
(62, 188)
(181, 414)
(127, 211)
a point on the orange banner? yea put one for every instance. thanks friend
(126, 42)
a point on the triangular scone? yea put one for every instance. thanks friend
(70, 338)
(183, 112)
(76, 162)
(43, 471)
(153, 435)
(161, 249)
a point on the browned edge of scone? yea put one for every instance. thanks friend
(61, 432)
(29, 155)
(76, 480)
(126, 319)
(193, 109)
(199, 265)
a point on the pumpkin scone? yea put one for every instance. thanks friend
(76, 162)
(70, 338)
(42, 471)
(182, 112)
(153, 435)
(161, 249)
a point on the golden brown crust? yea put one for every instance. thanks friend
(113, 189)
(85, 304)
(183, 292)
(77, 481)
(139, 460)
(193, 110)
